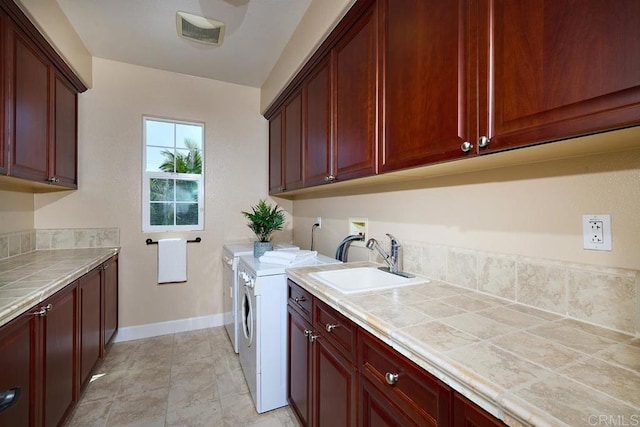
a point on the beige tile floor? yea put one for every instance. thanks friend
(185, 379)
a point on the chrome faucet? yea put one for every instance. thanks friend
(392, 259)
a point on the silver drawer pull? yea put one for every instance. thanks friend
(43, 310)
(307, 332)
(298, 300)
(390, 378)
(330, 327)
(313, 338)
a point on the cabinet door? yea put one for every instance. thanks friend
(64, 156)
(317, 126)
(17, 359)
(275, 154)
(90, 314)
(558, 69)
(468, 414)
(425, 89)
(4, 72)
(378, 411)
(293, 143)
(355, 99)
(59, 349)
(298, 375)
(28, 108)
(110, 300)
(334, 387)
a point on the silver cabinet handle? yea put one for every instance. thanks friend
(43, 310)
(330, 327)
(307, 332)
(466, 146)
(313, 338)
(53, 180)
(298, 300)
(483, 141)
(390, 378)
(329, 178)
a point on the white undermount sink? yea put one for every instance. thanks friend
(363, 279)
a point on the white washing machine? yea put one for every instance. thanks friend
(231, 252)
(262, 339)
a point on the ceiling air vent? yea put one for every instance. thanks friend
(200, 29)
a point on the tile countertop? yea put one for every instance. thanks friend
(29, 279)
(523, 365)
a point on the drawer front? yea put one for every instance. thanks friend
(300, 299)
(337, 329)
(421, 396)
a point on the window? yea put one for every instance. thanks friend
(173, 175)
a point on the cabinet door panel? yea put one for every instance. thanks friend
(468, 414)
(275, 154)
(59, 355)
(378, 411)
(298, 387)
(64, 158)
(317, 114)
(334, 387)
(560, 69)
(355, 99)
(17, 359)
(293, 143)
(90, 314)
(30, 111)
(424, 71)
(110, 301)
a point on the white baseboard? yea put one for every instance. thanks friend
(171, 327)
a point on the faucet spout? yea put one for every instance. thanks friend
(390, 259)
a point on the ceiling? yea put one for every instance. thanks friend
(143, 32)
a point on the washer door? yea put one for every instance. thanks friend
(247, 317)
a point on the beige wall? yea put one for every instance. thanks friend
(110, 165)
(16, 211)
(317, 22)
(533, 210)
(54, 25)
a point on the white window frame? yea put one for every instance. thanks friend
(147, 176)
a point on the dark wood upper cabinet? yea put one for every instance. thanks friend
(557, 69)
(424, 70)
(276, 179)
(316, 115)
(293, 143)
(64, 157)
(28, 107)
(354, 62)
(38, 111)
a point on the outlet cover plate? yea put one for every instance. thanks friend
(596, 232)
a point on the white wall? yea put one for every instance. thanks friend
(16, 211)
(110, 165)
(532, 210)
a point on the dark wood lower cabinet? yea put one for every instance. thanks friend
(334, 386)
(341, 376)
(59, 354)
(50, 351)
(17, 361)
(90, 323)
(299, 356)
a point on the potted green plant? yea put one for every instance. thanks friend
(263, 221)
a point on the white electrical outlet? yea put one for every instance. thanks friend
(319, 222)
(596, 232)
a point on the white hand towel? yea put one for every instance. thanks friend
(172, 260)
